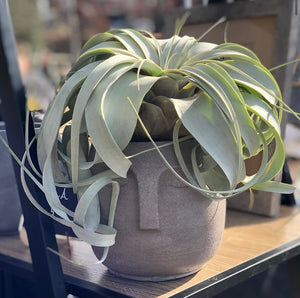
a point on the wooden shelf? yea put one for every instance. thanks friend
(250, 245)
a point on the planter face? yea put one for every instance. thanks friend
(166, 230)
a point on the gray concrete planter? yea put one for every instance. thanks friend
(166, 230)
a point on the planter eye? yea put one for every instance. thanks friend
(167, 178)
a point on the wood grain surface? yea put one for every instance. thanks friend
(246, 236)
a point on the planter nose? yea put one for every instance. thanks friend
(148, 201)
(148, 170)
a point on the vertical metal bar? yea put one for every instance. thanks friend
(47, 268)
(294, 271)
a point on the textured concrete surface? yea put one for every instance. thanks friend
(165, 228)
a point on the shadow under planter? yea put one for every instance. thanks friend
(166, 230)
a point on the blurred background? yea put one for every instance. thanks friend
(50, 33)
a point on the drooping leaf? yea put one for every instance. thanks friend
(202, 118)
(111, 132)
(255, 77)
(237, 48)
(199, 48)
(246, 126)
(91, 83)
(220, 54)
(274, 186)
(47, 140)
(95, 40)
(262, 110)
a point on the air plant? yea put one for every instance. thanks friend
(127, 85)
